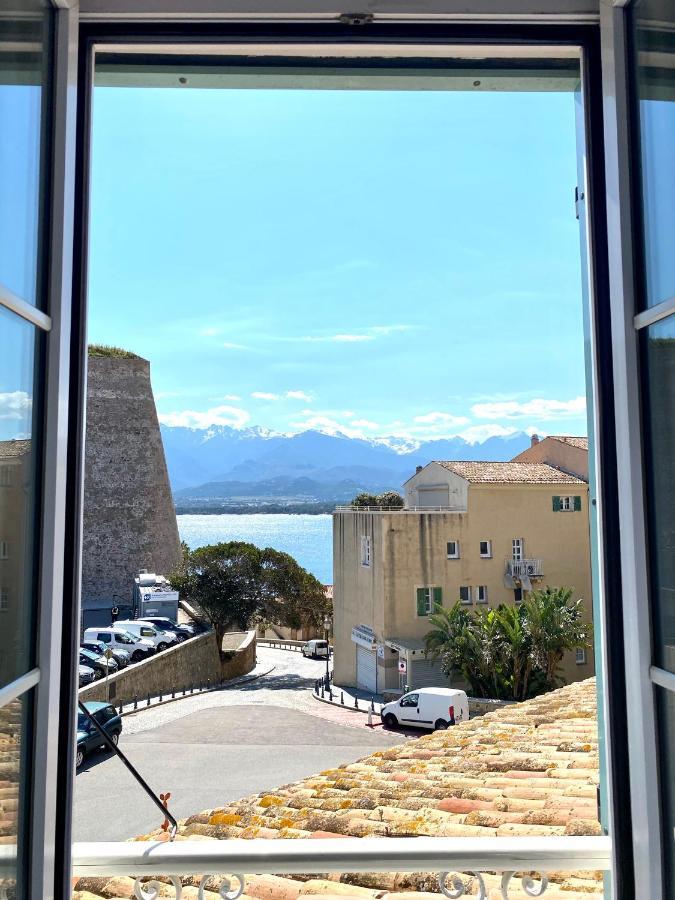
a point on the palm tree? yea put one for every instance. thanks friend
(555, 625)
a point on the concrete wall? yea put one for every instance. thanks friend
(129, 516)
(409, 551)
(192, 662)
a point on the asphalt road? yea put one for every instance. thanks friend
(211, 749)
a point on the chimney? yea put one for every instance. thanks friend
(534, 439)
(418, 469)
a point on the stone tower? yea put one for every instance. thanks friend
(129, 515)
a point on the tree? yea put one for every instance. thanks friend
(236, 584)
(391, 499)
(510, 652)
(364, 499)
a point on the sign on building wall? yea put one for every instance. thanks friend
(402, 666)
(364, 636)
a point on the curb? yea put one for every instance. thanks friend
(235, 682)
(364, 712)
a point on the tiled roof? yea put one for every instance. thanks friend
(509, 472)
(527, 769)
(14, 449)
(581, 443)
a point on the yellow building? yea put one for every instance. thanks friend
(479, 532)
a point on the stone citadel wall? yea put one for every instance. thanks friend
(129, 515)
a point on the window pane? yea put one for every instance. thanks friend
(15, 745)
(660, 465)
(666, 725)
(18, 412)
(655, 47)
(22, 154)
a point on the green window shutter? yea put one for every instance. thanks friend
(577, 504)
(421, 602)
(438, 598)
(556, 504)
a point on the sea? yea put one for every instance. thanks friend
(308, 538)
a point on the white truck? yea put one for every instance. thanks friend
(160, 639)
(429, 707)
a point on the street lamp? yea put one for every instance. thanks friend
(326, 627)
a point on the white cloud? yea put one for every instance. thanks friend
(365, 334)
(263, 395)
(15, 405)
(229, 345)
(233, 397)
(364, 423)
(476, 434)
(299, 395)
(217, 415)
(348, 338)
(329, 425)
(440, 418)
(541, 408)
(210, 332)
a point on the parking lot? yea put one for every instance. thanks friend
(215, 747)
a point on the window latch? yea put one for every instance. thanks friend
(578, 198)
(357, 18)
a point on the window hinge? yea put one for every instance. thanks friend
(578, 198)
(357, 18)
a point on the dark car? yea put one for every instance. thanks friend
(88, 737)
(121, 657)
(85, 675)
(182, 632)
(99, 664)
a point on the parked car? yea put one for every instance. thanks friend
(429, 707)
(139, 648)
(85, 675)
(316, 649)
(88, 737)
(160, 639)
(182, 632)
(98, 663)
(121, 657)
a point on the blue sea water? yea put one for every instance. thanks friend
(307, 538)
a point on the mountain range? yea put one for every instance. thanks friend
(250, 467)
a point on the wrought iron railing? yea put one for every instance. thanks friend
(529, 568)
(464, 865)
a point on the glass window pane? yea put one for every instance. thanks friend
(655, 46)
(22, 154)
(18, 413)
(666, 724)
(15, 737)
(660, 466)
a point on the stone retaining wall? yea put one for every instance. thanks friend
(193, 662)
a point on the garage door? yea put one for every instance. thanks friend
(433, 496)
(427, 673)
(366, 669)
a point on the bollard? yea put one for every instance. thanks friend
(323, 691)
(356, 702)
(372, 704)
(184, 690)
(342, 698)
(135, 703)
(148, 703)
(160, 698)
(370, 719)
(330, 693)
(173, 694)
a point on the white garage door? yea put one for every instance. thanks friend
(433, 496)
(427, 673)
(366, 669)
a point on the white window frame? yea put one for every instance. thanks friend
(429, 597)
(518, 549)
(488, 552)
(481, 593)
(366, 551)
(567, 504)
(469, 600)
(580, 656)
(454, 555)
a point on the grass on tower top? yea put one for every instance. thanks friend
(116, 352)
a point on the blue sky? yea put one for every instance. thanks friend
(377, 263)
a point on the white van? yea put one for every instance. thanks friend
(316, 649)
(429, 707)
(119, 639)
(160, 639)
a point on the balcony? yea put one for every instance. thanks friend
(480, 868)
(524, 568)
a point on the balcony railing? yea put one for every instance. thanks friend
(525, 568)
(399, 509)
(467, 867)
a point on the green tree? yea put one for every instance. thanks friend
(509, 652)
(364, 499)
(236, 584)
(391, 499)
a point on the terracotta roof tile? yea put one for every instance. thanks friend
(527, 769)
(508, 472)
(14, 449)
(581, 443)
